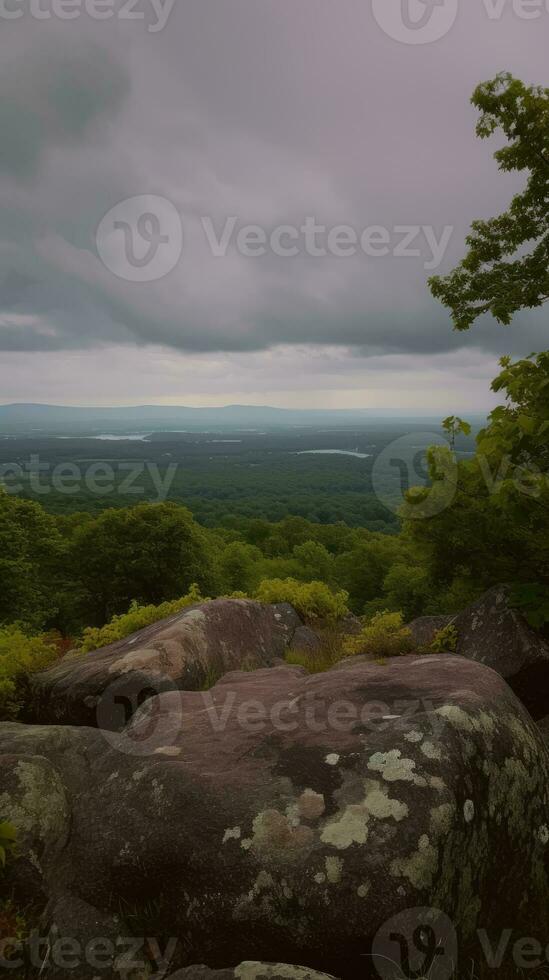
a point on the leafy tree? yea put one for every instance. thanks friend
(315, 560)
(496, 525)
(362, 570)
(32, 555)
(453, 425)
(506, 268)
(149, 553)
(237, 566)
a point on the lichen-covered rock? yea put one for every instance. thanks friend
(492, 633)
(186, 651)
(33, 798)
(251, 971)
(283, 816)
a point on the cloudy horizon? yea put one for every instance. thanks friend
(260, 121)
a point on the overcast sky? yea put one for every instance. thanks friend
(238, 113)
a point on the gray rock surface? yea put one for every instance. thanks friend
(251, 971)
(287, 817)
(425, 628)
(186, 651)
(490, 632)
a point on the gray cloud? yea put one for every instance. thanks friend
(267, 112)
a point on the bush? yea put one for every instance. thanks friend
(383, 636)
(137, 618)
(8, 841)
(445, 640)
(20, 655)
(329, 653)
(313, 600)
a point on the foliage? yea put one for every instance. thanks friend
(313, 600)
(495, 525)
(20, 655)
(445, 640)
(384, 635)
(149, 553)
(137, 618)
(8, 841)
(329, 652)
(507, 266)
(32, 553)
(453, 425)
(532, 600)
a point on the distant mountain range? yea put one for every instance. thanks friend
(53, 419)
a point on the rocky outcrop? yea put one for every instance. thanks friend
(425, 628)
(305, 640)
(288, 817)
(251, 971)
(491, 632)
(187, 651)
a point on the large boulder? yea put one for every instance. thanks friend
(491, 632)
(288, 817)
(33, 798)
(187, 651)
(425, 628)
(251, 971)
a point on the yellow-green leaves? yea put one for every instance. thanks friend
(8, 841)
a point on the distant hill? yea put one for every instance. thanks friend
(21, 419)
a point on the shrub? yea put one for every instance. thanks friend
(383, 636)
(8, 841)
(137, 618)
(20, 655)
(329, 653)
(313, 600)
(445, 640)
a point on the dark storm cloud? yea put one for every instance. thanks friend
(54, 97)
(267, 112)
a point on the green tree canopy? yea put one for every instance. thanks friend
(506, 268)
(148, 553)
